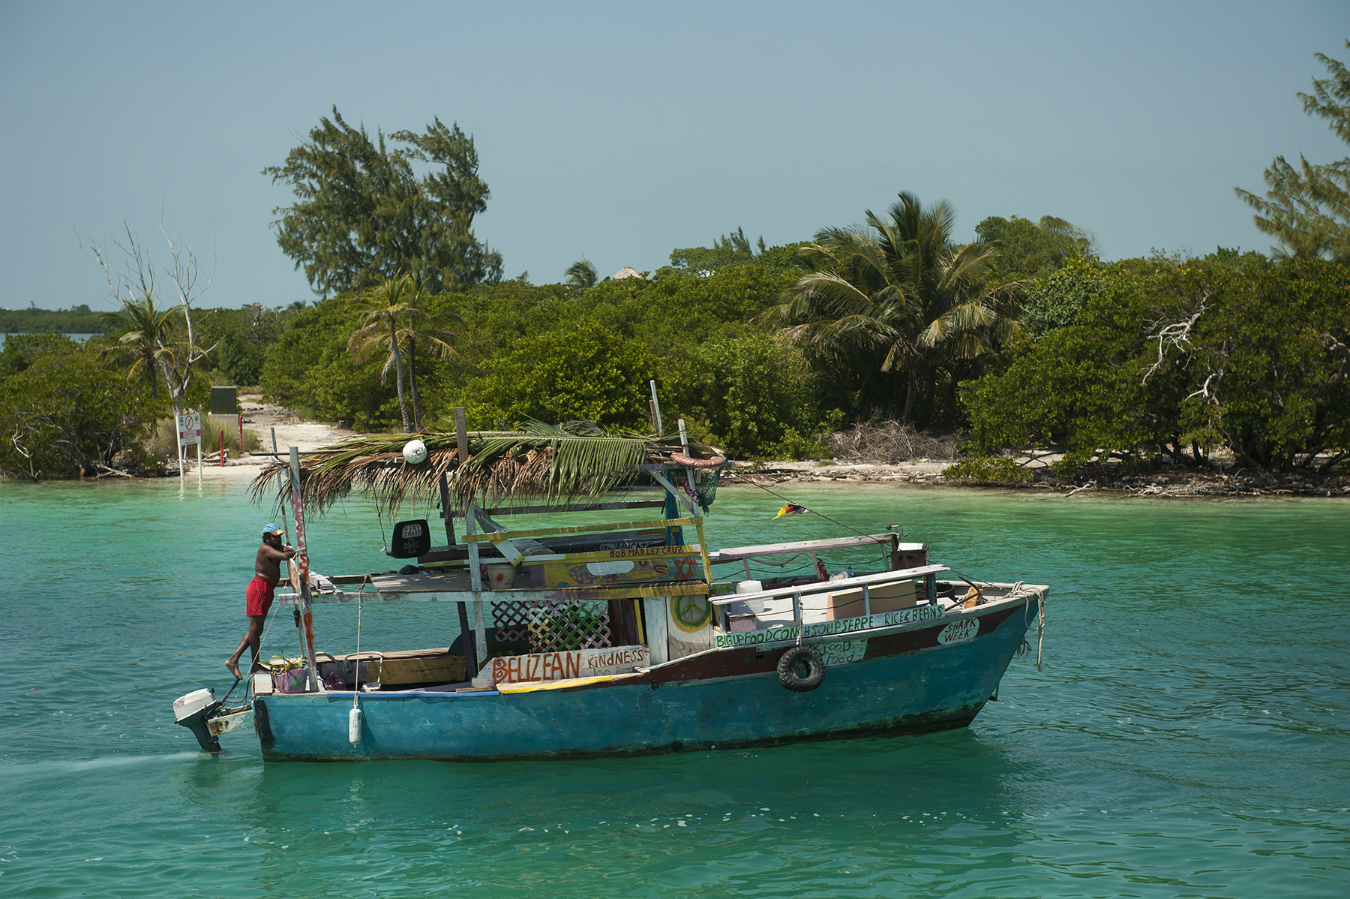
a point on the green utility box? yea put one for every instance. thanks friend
(224, 400)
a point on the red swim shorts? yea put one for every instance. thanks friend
(259, 596)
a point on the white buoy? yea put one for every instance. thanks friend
(354, 725)
(414, 452)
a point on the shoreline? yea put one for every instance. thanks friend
(1163, 481)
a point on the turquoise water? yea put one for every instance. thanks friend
(1187, 737)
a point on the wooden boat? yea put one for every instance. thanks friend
(626, 636)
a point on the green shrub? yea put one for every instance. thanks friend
(989, 470)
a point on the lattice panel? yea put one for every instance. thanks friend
(512, 620)
(553, 626)
(563, 626)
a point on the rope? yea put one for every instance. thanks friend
(248, 691)
(356, 674)
(1040, 615)
(814, 512)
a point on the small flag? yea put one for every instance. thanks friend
(791, 509)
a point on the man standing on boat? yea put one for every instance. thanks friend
(266, 574)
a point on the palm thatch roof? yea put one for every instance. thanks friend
(538, 462)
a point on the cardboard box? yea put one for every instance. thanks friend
(887, 598)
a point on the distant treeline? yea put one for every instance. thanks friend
(75, 320)
(1021, 339)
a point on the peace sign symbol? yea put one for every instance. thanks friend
(690, 613)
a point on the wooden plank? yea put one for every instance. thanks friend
(561, 594)
(678, 494)
(614, 555)
(603, 573)
(460, 552)
(703, 548)
(444, 669)
(736, 554)
(592, 507)
(577, 529)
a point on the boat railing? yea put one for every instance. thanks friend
(864, 582)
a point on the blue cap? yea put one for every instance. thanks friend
(271, 528)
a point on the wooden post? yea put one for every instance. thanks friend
(470, 656)
(302, 556)
(182, 457)
(291, 567)
(241, 435)
(222, 447)
(656, 408)
(461, 435)
(445, 512)
(478, 651)
(476, 585)
(703, 550)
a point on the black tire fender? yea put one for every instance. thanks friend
(801, 669)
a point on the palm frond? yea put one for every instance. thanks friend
(538, 461)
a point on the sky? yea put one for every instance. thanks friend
(621, 131)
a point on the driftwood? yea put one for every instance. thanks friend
(891, 442)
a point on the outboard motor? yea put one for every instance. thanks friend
(192, 710)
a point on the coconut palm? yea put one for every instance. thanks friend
(383, 309)
(144, 335)
(580, 274)
(429, 329)
(895, 292)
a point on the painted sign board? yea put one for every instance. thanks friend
(841, 652)
(959, 631)
(603, 572)
(829, 628)
(190, 429)
(546, 666)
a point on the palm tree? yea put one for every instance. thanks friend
(144, 335)
(382, 309)
(893, 291)
(429, 329)
(581, 274)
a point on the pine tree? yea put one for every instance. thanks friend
(1307, 207)
(362, 214)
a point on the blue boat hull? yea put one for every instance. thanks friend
(703, 702)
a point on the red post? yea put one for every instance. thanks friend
(222, 447)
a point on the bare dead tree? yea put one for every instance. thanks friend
(1341, 350)
(1176, 335)
(135, 288)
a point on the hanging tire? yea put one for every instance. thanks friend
(801, 669)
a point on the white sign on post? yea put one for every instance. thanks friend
(190, 429)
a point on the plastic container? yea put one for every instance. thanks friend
(500, 576)
(294, 681)
(756, 605)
